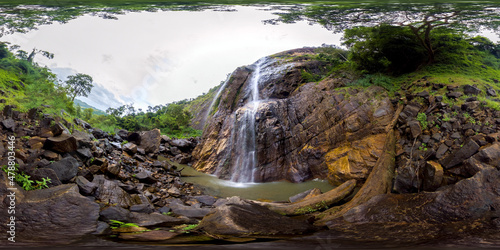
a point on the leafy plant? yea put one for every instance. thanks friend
(24, 181)
(114, 224)
(186, 228)
(422, 118)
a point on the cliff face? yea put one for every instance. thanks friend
(301, 130)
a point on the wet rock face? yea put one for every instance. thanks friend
(299, 130)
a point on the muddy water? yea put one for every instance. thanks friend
(275, 191)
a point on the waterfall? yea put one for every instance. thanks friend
(245, 147)
(219, 91)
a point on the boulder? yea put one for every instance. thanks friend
(65, 169)
(58, 129)
(250, 219)
(491, 92)
(141, 208)
(85, 153)
(432, 176)
(206, 199)
(82, 123)
(442, 149)
(36, 142)
(454, 95)
(110, 192)
(9, 124)
(155, 219)
(40, 173)
(130, 148)
(134, 137)
(189, 211)
(86, 187)
(182, 144)
(98, 133)
(145, 177)
(83, 139)
(53, 215)
(468, 149)
(415, 128)
(150, 141)
(301, 196)
(490, 155)
(471, 90)
(122, 133)
(63, 143)
(409, 112)
(115, 213)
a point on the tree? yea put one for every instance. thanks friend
(421, 19)
(79, 85)
(384, 48)
(87, 114)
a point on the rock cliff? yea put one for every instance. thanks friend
(303, 130)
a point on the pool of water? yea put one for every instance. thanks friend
(275, 191)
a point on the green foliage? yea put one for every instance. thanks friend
(422, 118)
(186, 228)
(384, 48)
(87, 114)
(380, 80)
(24, 181)
(172, 119)
(309, 77)
(28, 85)
(79, 85)
(114, 224)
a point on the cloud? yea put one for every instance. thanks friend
(99, 97)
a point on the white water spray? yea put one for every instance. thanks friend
(244, 168)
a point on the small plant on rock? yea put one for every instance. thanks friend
(24, 181)
(114, 224)
(422, 118)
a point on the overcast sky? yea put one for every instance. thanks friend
(152, 58)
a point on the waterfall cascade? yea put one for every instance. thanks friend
(219, 91)
(243, 170)
(241, 160)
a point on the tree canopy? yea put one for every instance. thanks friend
(420, 19)
(79, 85)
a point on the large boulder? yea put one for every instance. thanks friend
(111, 193)
(50, 216)
(150, 141)
(467, 150)
(65, 169)
(249, 219)
(63, 143)
(9, 124)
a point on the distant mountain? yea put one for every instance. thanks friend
(84, 105)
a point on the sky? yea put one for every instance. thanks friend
(152, 58)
